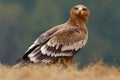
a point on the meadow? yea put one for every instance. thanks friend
(98, 71)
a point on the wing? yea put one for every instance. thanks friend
(56, 43)
(35, 47)
(63, 43)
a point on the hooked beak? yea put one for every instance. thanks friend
(80, 11)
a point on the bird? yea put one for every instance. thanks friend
(59, 44)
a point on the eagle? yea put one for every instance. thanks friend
(59, 44)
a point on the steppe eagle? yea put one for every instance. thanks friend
(59, 44)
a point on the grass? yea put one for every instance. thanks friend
(97, 71)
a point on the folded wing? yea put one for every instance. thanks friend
(62, 43)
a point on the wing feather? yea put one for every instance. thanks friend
(34, 50)
(56, 43)
(61, 44)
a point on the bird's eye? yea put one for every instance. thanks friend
(75, 8)
(84, 9)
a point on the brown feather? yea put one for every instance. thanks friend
(62, 42)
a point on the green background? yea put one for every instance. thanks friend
(22, 21)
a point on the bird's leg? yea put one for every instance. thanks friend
(65, 62)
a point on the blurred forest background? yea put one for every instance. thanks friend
(22, 21)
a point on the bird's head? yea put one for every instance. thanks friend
(80, 12)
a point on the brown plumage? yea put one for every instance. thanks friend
(59, 44)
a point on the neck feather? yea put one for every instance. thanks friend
(78, 23)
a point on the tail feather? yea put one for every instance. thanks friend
(21, 63)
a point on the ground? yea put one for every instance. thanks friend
(97, 71)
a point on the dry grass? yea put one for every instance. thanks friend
(92, 72)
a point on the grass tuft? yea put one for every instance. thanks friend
(98, 71)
